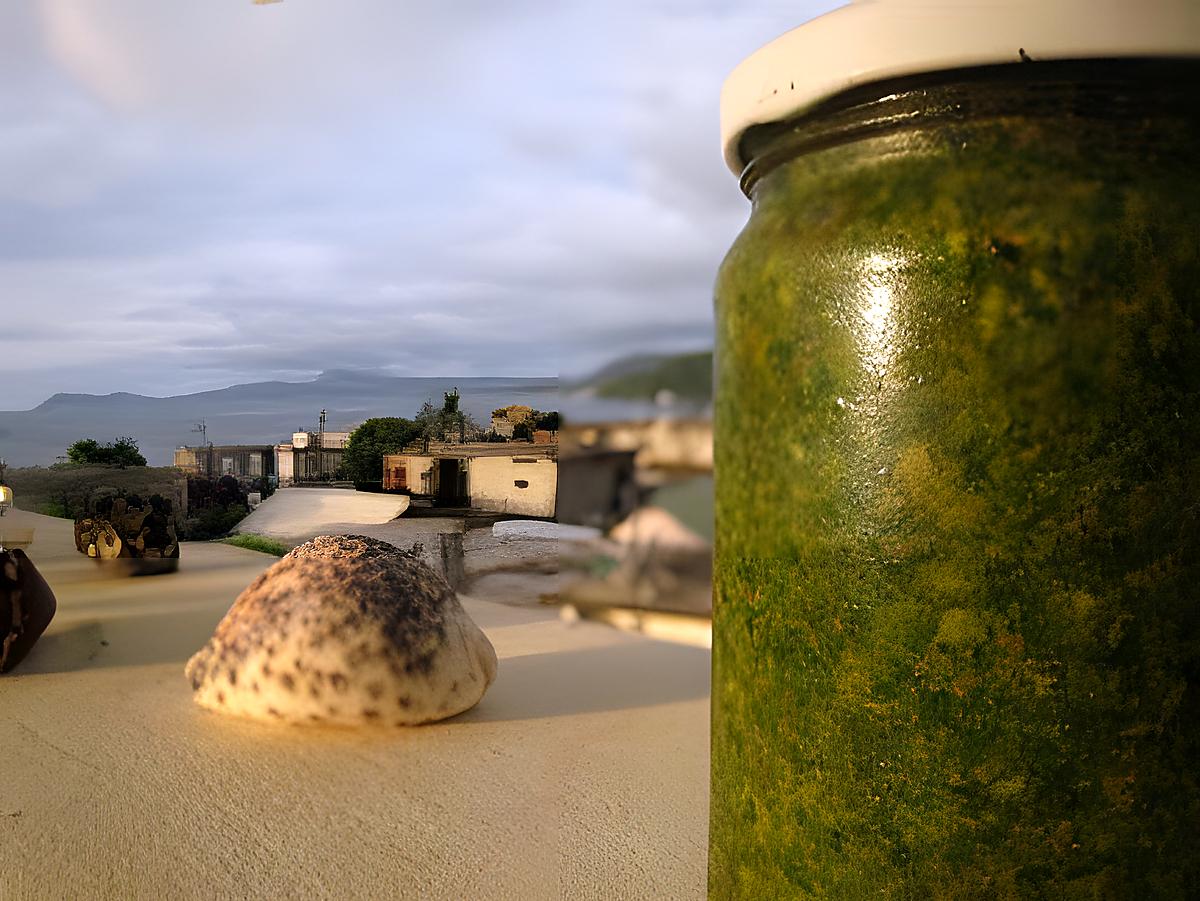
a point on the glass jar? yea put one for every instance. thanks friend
(957, 575)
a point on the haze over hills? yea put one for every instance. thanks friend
(643, 386)
(256, 413)
(641, 376)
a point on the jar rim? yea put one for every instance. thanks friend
(1113, 100)
(872, 40)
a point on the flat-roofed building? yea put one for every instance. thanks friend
(243, 461)
(513, 477)
(317, 457)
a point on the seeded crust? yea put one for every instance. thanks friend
(345, 630)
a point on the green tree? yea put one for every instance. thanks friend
(449, 423)
(122, 452)
(363, 458)
(125, 452)
(84, 451)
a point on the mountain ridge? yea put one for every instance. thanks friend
(248, 413)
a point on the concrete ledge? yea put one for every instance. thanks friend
(582, 773)
(301, 513)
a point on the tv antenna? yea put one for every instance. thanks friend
(202, 428)
(321, 447)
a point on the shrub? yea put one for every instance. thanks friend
(214, 522)
(54, 508)
(68, 490)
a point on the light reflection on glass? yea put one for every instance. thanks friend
(877, 339)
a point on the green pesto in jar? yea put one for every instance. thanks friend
(958, 494)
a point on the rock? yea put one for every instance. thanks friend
(119, 529)
(345, 630)
(26, 607)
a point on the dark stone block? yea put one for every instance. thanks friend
(26, 607)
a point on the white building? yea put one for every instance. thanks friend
(284, 464)
(312, 463)
(519, 478)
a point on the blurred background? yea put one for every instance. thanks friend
(302, 199)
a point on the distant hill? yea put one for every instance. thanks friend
(620, 367)
(256, 413)
(687, 376)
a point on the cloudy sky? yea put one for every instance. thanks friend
(198, 194)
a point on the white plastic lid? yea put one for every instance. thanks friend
(873, 39)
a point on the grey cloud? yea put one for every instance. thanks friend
(198, 194)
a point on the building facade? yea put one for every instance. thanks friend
(309, 457)
(284, 461)
(242, 461)
(518, 477)
(317, 457)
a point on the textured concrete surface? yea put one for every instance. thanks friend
(298, 514)
(581, 774)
